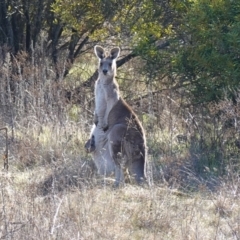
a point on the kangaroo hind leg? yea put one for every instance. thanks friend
(136, 163)
(115, 140)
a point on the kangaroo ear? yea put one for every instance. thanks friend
(114, 54)
(99, 51)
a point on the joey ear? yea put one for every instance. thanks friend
(115, 53)
(99, 51)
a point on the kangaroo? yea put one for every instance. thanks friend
(118, 136)
(106, 87)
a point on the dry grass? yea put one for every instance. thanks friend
(59, 196)
(52, 190)
(99, 212)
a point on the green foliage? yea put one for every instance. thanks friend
(210, 57)
(203, 56)
(138, 21)
(80, 15)
(160, 24)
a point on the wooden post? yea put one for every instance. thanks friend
(5, 157)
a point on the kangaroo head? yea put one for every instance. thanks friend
(107, 63)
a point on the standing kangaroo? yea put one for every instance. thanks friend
(118, 137)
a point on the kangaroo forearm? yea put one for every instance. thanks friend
(95, 119)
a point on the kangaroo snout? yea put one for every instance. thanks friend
(105, 71)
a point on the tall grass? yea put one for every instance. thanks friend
(52, 190)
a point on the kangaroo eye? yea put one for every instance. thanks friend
(101, 64)
(110, 64)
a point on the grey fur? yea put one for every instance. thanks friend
(118, 140)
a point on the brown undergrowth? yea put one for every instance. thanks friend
(52, 190)
(58, 195)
